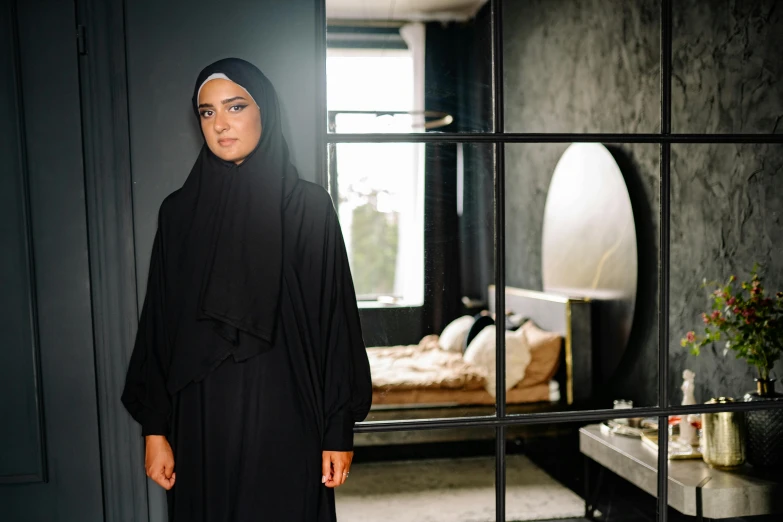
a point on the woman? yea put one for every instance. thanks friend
(249, 369)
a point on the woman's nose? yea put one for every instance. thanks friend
(221, 124)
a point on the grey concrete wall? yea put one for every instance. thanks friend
(593, 66)
(581, 65)
(727, 202)
(727, 67)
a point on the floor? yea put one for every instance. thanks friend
(452, 489)
(559, 457)
(619, 501)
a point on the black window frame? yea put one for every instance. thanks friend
(499, 138)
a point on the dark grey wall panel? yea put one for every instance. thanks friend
(52, 124)
(21, 407)
(103, 83)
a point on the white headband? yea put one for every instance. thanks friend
(215, 76)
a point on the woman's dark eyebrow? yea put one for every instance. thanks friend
(227, 100)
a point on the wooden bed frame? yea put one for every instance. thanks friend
(568, 316)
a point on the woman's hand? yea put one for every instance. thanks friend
(335, 466)
(159, 461)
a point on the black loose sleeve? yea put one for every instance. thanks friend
(145, 395)
(348, 383)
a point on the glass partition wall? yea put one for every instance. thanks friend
(532, 193)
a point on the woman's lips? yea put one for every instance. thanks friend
(226, 142)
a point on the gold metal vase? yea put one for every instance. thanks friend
(723, 437)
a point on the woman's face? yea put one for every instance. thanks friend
(230, 120)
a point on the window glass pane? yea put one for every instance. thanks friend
(724, 465)
(401, 67)
(726, 205)
(402, 476)
(727, 75)
(582, 246)
(576, 66)
(599, 469)
(362, 81)
(381, 209)
(418, 225)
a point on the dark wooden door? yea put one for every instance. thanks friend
(49, 441)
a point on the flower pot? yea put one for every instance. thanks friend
(764, 428)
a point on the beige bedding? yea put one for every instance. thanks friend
(422, 366)
(427, 374)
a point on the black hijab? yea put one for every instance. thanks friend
(235, 237)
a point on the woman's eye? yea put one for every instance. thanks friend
(206, 114)
(237, 107)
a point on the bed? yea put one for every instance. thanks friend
(425, 381)
(425, 374)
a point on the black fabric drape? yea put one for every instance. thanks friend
(459, 256)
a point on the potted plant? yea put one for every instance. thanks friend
(751, 324)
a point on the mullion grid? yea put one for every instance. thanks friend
(499, 138)
(664, 183)
(499, 177)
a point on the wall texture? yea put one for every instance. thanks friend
(727, 202)
(726, 65)
(582, 66)
(593, 66)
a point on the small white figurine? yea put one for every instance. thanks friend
(687, 430)
(687, 388)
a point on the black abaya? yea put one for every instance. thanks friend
(248, 406)
(244, 448)
(247, 437)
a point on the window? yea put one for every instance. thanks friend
(665, 86)
(379, 188)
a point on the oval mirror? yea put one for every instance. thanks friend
(589, 245)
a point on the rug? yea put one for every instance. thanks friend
(453, 490)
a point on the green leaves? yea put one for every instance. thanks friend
(751, 322)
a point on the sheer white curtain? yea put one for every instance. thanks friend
(409, 274)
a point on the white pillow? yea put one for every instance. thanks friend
(481, 353)
(453, 337)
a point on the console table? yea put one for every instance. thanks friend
(694, 487)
